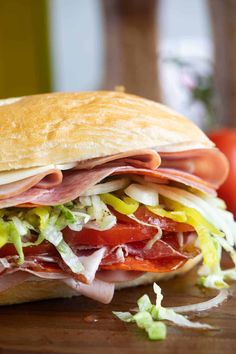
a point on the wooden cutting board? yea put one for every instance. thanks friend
(62, 326)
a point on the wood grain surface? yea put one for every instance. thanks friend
(131, 46)
(223, 23)
(60, 326)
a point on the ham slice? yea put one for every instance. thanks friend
(209, 164)
(117, 276)
(91, 263)
(138, 158)
(204, 169)
(76, 183)
(38, 265)
(30, 194)
(169, 174)
(51, 177)
(48, 179)
(165, 253)
(98, 290)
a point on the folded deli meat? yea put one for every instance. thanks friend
(104, 190)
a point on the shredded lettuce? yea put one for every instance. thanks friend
(213, 214)
(3, 233)
(218, 279)
(29, 227)
(149, 317)
(215, 227)
(72, 218)
(144, 303)
(203, 228)
(211, 241)
(124, 316)
(69, 257)
(15, 238)
(156, 330)
(161, 313)
(99, 216)
(10, 234)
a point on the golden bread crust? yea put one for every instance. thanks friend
(57, 128)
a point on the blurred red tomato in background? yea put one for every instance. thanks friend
(225, 140)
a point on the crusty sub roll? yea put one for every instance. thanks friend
(58, 128)
(64, 127)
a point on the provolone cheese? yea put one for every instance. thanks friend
(17, 175)
(6, 101)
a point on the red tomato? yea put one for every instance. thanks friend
(117, 235)
(126, 230)
(225, 140)
(45, 247)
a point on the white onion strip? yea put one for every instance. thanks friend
(143, 194)
(203, 306)
(107, 187)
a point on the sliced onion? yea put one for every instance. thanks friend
(85, 201)
(143, 194)
(227, 248)
(4, 263)
(203, 306)
(107, 187)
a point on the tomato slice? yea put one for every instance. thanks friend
(125, 231)
(147, 265)
(43, 248)
(117, 235)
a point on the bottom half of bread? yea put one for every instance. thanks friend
(35, 290)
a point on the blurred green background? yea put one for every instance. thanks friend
(24, 47)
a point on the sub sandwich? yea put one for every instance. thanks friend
(106, 190)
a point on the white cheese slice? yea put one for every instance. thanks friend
(7, 101)
(17, 175)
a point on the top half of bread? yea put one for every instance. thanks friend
(64, 127)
